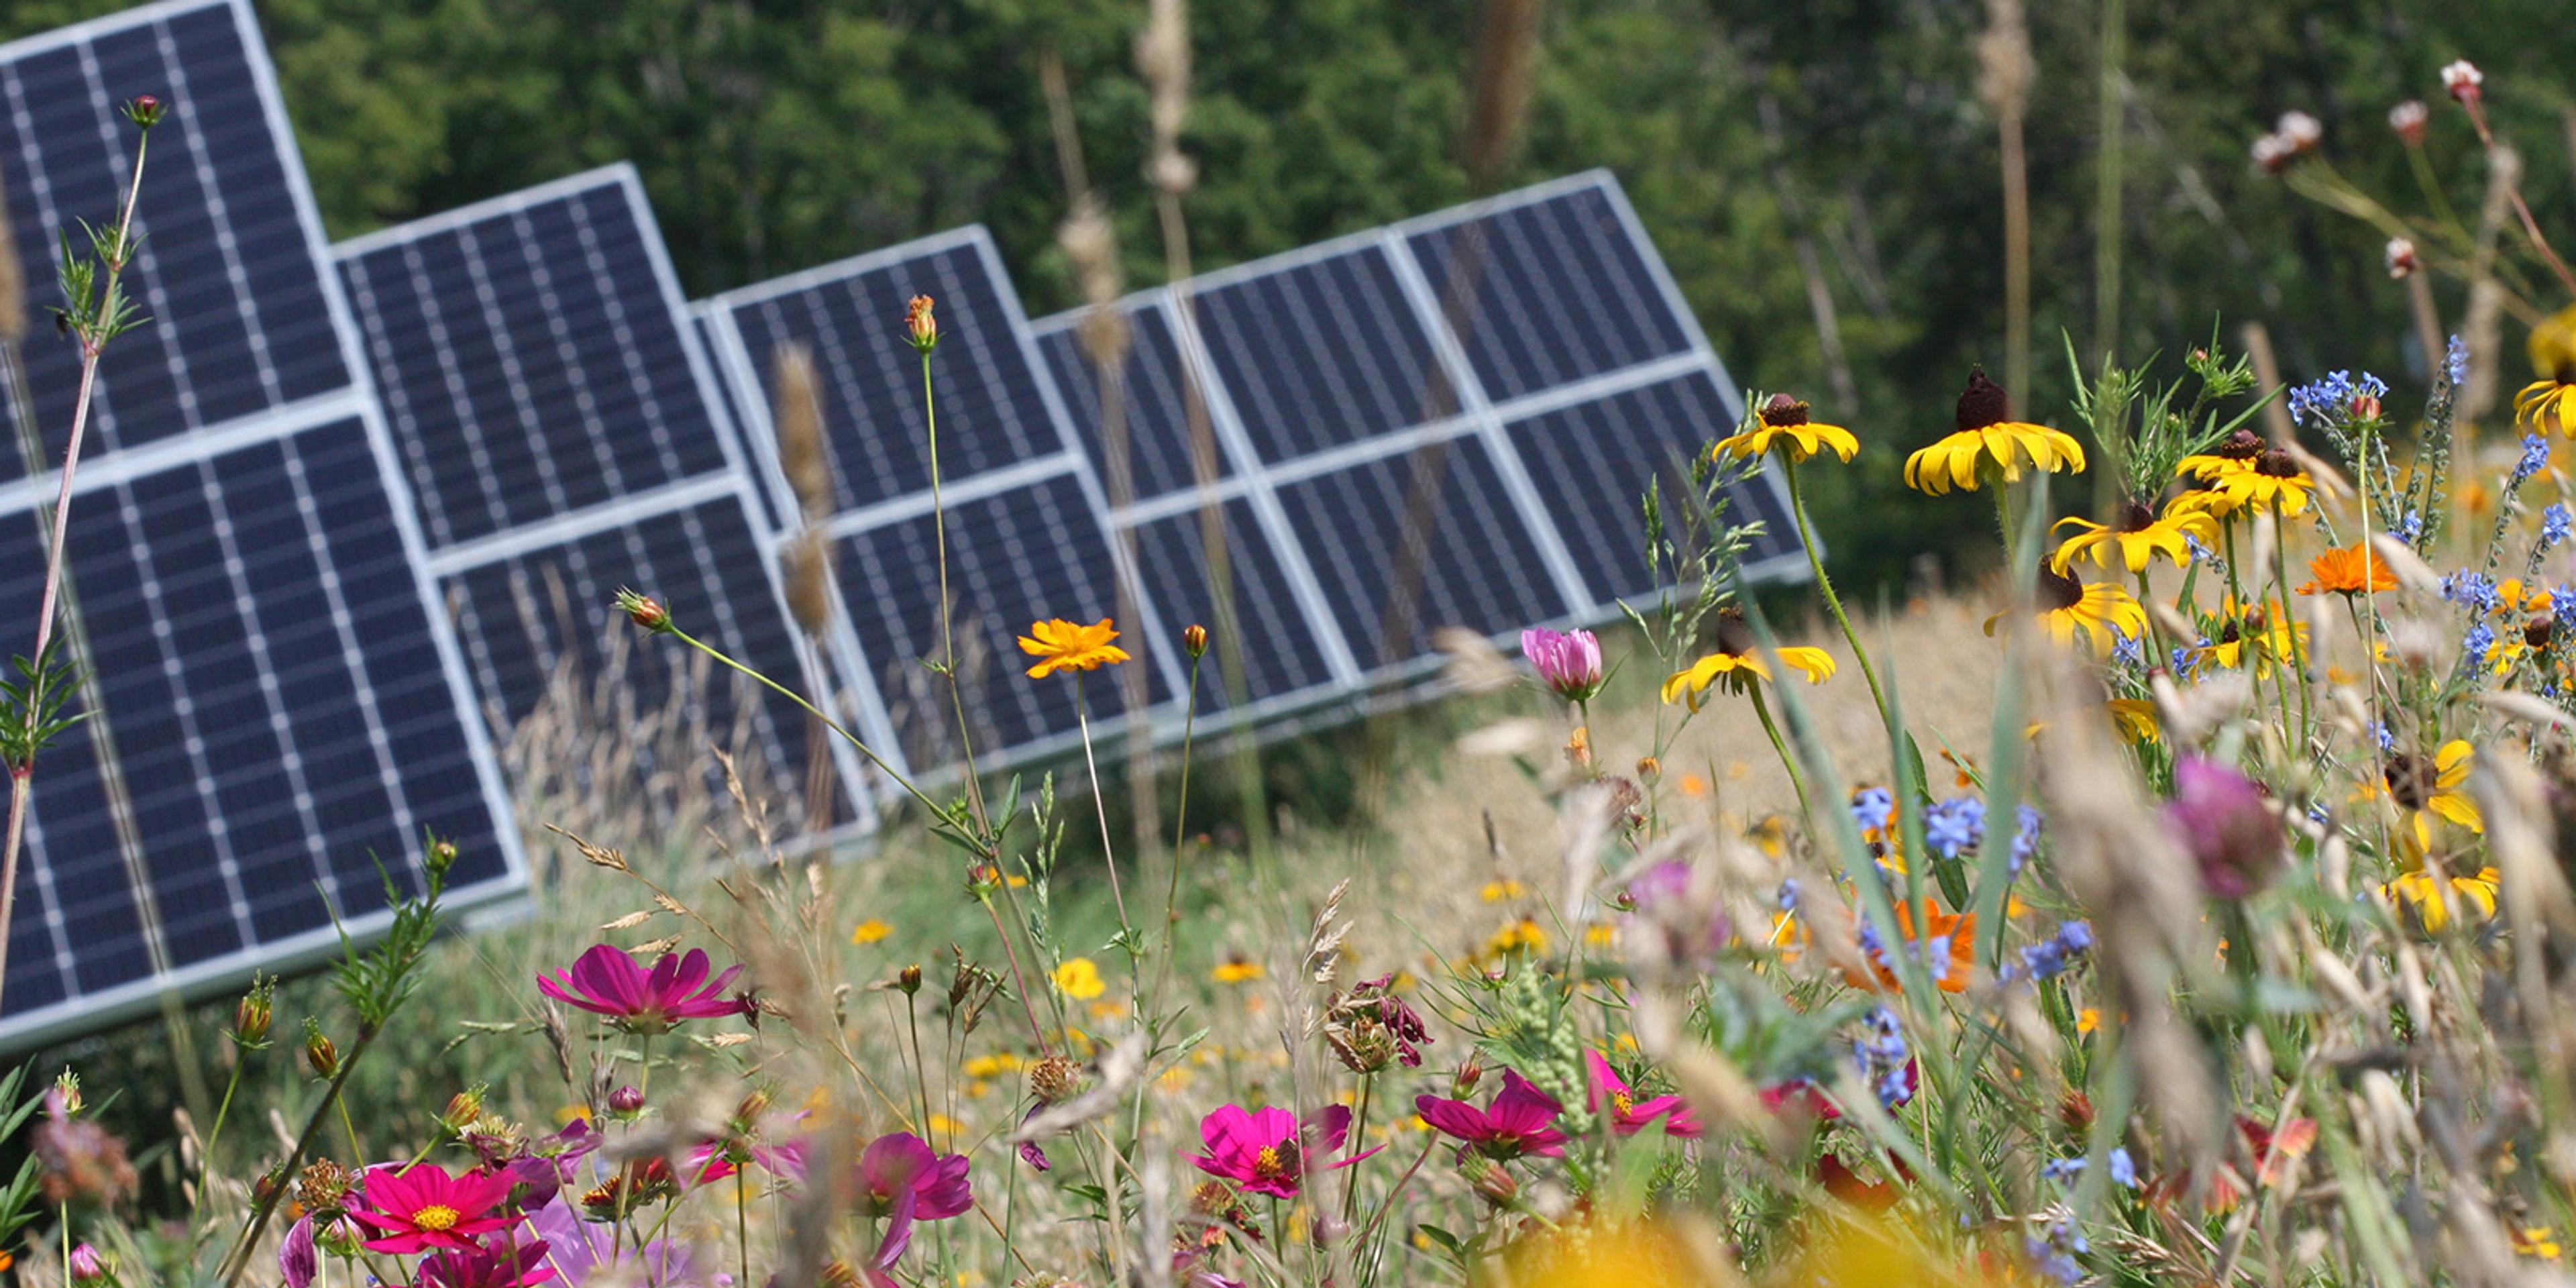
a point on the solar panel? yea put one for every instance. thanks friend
(229, 276)
(271, 718)
(565, 436)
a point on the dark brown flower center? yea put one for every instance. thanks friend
(2277, 464)
(1783, 411)
(2243, 445)
(2057, 591)
(1733, 635)
(2537, 631)
(2566, 373)
(2412, 779)
(1985, 403)
(2134, 516)
(2230, 634)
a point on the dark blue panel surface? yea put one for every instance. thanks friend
(1273, 639)
(227, 275)
(1036, 552)
(990, 412)
(1322, 354)
(276, 710)
(1473, 564)
(540, 625)
(1591, 463)
(1548, 293)
(530, 363)
(1151, 390)
(735, 416)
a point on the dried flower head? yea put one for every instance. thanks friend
(920, 326)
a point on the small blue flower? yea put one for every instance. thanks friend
(2380, 734)
(2481, 641)
(2025, 838)
(2555, 523)
(2199, 553)
(2130, 651)
(2455, 361)
(2062, 1169)
(2051, 956)
(1954, 826)
(1789, 895)
(2124, 1171)
(1874, 808)
(2470, 589)
(2055, 1254)
(2535, 458)
(2410, 527)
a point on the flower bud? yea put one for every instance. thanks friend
(1194, 640)
(2462, 80)
(626, 1102)
(983, 878)
(145, 110)
(1468, 1075)
(319, 1053)
(645, 611)
(462, 1108)
(2227, 825)
(920, 326)
(2402, 262)
(1649, 769)
(252, 1015)
(909, 979)
(2365, 407)
(68, 1093)
(2408, 119)
(1492, 1181)
(441, 857)
(87, 1267)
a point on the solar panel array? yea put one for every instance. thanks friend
(353, 513)
(276, 706)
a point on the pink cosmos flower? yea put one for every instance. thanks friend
(715, 1160)
(606, 981)
(1265, 1149)
(1521, 1120)
(1629, 1115)
(425, 1208)
(297, 1260)
(517, 1267)
(902, 1181)
(1568, 662)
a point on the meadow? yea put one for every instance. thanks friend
(2185, 902)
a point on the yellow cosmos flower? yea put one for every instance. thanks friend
(1060, 645)
(2136, 535)
(870, 931)
(2422, 895)
(2098, 614)
(1987, 432)
(1238, 970)
(1782, 425)
(1078, 979)
(1737, 665)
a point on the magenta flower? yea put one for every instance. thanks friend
(423, 1207)
(1522, 1120)
(1629, 1115)
(86, 1266)
(297, 1260)
(717, 1159)
(606, 981)
(488, 1268)
(902, 1181)
(1568, 662)
(1265, 1150)
(2224, 820)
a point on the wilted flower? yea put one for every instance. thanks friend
(2226, 824)
(604, 980)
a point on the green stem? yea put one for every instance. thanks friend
(2289, 624)
(206, 1166)
(1180, 830)
(947, 631)
(828, 722)
(1780, 745)
(1100, 810)
(1825, 584)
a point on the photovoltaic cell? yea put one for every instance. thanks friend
(1020, 556)
(228, 275)
(539, 624)
(277, 712)
(1592, 461)
(1549, 292)
(1275, 640)
(1476, 565)
(991, 413)
(529, 358)
(753, 453)
(1322, 353)
(1151, 390)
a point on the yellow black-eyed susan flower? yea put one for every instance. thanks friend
(2135, 535)
(1782, 425)
(2274, 479)
(2227, 456)
(1988, 441)
(2098, 615)
(1737, 663)
(2423, 895)
(2550, 402)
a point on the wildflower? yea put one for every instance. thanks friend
(2534, 1241)
(2272, 153)
(645, 611)
(1060, 645)
(584, 1252)
(920, 325)
(2352, 570)
(2054, 1251)
(2408, 120)
(2401, 256)
(901, 1181)
(2470, 589)
(1079, 979)
(2462, 80)
(2227, 825)
(2455, 361)
(2100, 614)
(2134, 719)
(2274, 479)
(2553, 396)
(1737, 665)
(870, 931)
(2025, 841)
(1874, 810)
(297, 1259)
(518, 1266)
(323, 1186)
(423, 1207)
(2050, 957)
(1520, 1120)
(1947, 949)
(1986, 430)
(320, 1054)
(2267, 640)
(2555, 523)
(2417, 783)
(626, 1102)
(81, 1159)
(1515, 936)
(2136, 535)
(1884, 1061)
(1568, 662)
(2429, 898)
(1629, 1115)
(1503, 891)
(252, 1014)
(1238, 969)
(86, 1266)
(1194, 639)
(604, 980)
(1376, 1025)
(1265, 1150)
(1955, 826)
(1782, 424)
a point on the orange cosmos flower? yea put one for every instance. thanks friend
(2355, 570)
